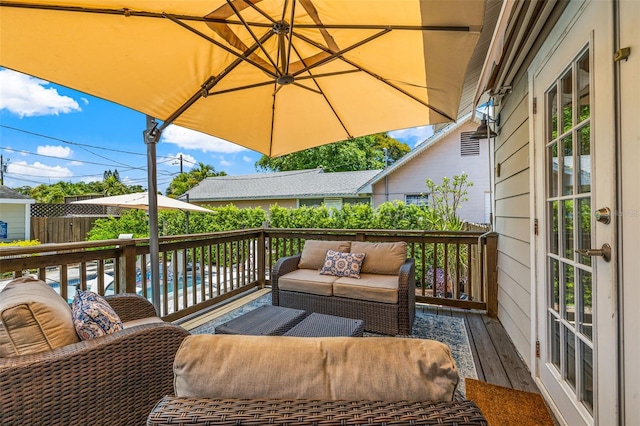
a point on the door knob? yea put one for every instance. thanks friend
(604, 252)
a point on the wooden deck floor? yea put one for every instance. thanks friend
(495, 356)
(496, 359)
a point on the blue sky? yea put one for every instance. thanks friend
(50, 133)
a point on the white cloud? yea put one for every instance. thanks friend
(77, 163)
(412, 135)
(27, 96)
(38, 170)
(55, 151)
(247, 159)
(190, 139)
(224, 162)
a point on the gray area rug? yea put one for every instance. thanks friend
(449, 330)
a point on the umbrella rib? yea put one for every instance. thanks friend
(162, 15)
(267, 83)
(311, 76)
(293, 12)
(377, 77)
(339, 53)
(210, 83)
(248, 28)
(243, 56)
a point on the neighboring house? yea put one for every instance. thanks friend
(449, 152)
(287, 189)
(15, 215)
(563, 77)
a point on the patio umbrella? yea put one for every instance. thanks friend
(140, 200)
(275, 76)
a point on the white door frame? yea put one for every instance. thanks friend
(582, 23)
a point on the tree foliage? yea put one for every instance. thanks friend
(362, 153)
(55, 193)
(185, 181)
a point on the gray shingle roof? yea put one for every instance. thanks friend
(293, 184)
(9, 194)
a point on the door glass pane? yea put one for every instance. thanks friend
(583, 87)
(584, 228)
(569, 293)
(555, 289)
(586, 388)
(570, 357)
(584, 159)
(553, 170)
(552, 118)
(567, 235)
(554, 227)
(566, 85)
(555, 340)
(567, 165)
(586, 310)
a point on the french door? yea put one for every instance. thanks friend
(575, 202)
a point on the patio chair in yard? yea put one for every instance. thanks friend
(48, 376)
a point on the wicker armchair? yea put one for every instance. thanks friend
(112, 380)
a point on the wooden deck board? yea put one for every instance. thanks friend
(494, 355)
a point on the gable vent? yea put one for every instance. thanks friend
(468, 146)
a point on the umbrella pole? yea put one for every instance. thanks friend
(151, 138)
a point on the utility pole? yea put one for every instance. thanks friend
(3, 168)
(180, 163)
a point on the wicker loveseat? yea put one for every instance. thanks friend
(384, 296)
(111, 380)
(281, 380)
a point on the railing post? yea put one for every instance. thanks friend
(491, 259)
(127, 268)
(262, 250)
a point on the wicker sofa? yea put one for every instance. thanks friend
(111, 380)
(384, 296)
(280, 380)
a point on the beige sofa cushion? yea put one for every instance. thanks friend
(381, 258)
(33, 318)
(315, 251)
(307, 281)
(329, 368)
(371, 287)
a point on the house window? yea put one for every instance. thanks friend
(468, 146)
(417, 199)
(310, 202)
(359, 200)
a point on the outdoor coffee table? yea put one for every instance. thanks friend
(266, 320)
(320, 325)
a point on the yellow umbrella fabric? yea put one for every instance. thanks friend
(274, 76)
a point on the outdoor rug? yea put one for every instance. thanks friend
(449, 330)
(508, 407)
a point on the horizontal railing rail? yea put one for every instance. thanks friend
(198, 271)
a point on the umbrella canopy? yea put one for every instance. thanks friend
(275, 76)
(140, 200)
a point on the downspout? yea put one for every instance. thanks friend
(386, 188)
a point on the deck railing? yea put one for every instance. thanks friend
(197, 271)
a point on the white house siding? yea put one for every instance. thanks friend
(16, 218)
(443, 159)
(513, 220)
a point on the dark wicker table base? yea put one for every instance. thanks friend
(320, 325)
(209, 411)
(264, 321)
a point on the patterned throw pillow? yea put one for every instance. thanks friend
(93, 317)
(342, 264)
